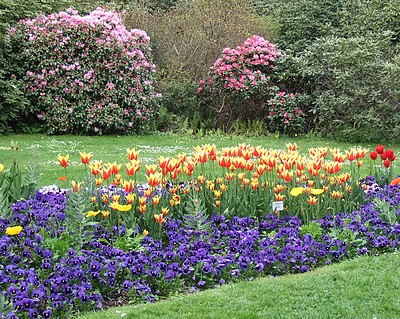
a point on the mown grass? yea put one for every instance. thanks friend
(363, 288)
(43, 150)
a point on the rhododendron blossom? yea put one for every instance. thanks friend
(247, 65)
(89, 66)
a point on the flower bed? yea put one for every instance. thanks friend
(56, 259)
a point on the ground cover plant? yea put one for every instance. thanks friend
(93, 245)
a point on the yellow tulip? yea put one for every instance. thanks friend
(15, 230)
(92, 213)
(1, 167)
(317, 191)
(296, 191)
(124, 208)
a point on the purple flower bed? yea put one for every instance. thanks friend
(41, 276)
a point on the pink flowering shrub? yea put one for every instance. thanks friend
(246, 67)
(243, 86)
(240, 82)
(284, 113)
(85, 74)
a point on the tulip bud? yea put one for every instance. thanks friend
(386, 163)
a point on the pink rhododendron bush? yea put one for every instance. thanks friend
(85, 74)
(244, 85)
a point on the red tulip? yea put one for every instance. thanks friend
(373, 155)
(383, 156)
(386, 163)
(390, 154)
(379, 149)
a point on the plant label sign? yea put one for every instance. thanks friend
(277, 206)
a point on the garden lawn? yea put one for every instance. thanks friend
(43, 150)
(366, 287)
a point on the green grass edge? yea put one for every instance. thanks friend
(365, 287)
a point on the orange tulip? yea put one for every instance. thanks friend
(147, 193)
(159, 218)
(250, 165)
(201, 179)
(351, 155)
(151, 169)
(142, 200)
(224, 161)
(85, 157)
(312, 200)
(395, 181)
(106, 173)
(133, 154)
(254, 183)
(64, 160)
(128, 185)
(279, 188)
(115, 168)
(142, 209)
(191, 163)
(202, 157)
(116, 198)
(177, 199)
(287, 175)
(337, 194)
(117, 180)
(132, 167)
(76, 186)
(154, 179)
(156, 200)
(95, 167)
(105, 213)
(162, 162)
(291, 147)
(245, 181)
(164, 211)
(247, 154)
(130, 198)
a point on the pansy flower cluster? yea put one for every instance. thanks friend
(39, 278)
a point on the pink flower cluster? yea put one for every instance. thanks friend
(89, 66)
(247, 65)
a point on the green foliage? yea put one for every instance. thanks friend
(179, 97)
(78, 205)
(195, 217)
(312, 228)
(357, 87)
(303, 21)
(129, 241)
(387, 211)
(285, 113)
(59, 245)
(5, 305)
(14, 187)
